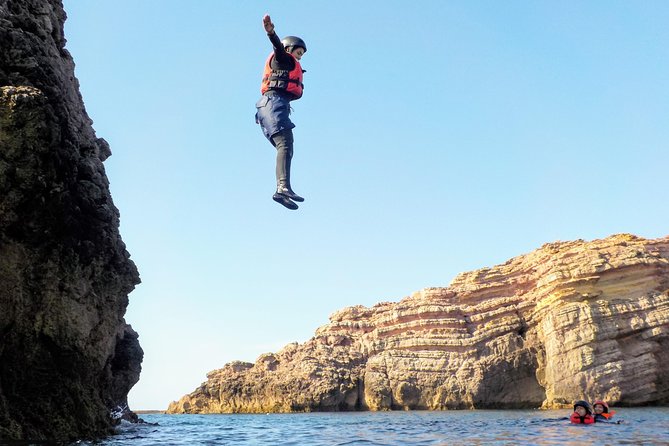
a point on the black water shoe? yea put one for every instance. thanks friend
(288, 192)
(284, 200)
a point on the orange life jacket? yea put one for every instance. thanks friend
(577, 419)
(289, 81)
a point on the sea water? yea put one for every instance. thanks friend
(641, 426)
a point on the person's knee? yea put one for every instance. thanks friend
(288, 135)
(283, 140)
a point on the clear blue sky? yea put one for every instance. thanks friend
(434, 137)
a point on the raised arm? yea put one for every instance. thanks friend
(280, 53)
(267, 24)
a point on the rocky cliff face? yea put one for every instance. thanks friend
(575, 320)
(67, 356)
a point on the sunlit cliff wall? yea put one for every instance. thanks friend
(571, 320)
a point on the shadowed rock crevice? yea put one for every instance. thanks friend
(571, 320)
(67, 356)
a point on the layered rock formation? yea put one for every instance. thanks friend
(573, 320)
(67, 356)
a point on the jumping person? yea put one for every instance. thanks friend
(281, 84)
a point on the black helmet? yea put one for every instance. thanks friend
(583, 404)
(290, 41)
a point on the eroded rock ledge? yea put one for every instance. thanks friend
(572, 320)
(67, 356)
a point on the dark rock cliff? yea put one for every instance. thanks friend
(67, 356)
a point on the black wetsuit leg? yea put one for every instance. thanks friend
(283, 141)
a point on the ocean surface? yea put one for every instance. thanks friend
(641, 426)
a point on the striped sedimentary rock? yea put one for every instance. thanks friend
(571, 320)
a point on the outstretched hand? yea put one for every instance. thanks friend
(267, 23)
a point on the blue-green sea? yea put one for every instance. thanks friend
(641, 426)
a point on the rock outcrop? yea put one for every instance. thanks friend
(572, 320)
(67, 356)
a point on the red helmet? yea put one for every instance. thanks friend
(604, 405)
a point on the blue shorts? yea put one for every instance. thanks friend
(272, 113)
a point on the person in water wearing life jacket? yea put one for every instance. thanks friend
(281, 84)
(602, 413)
(582, 413)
